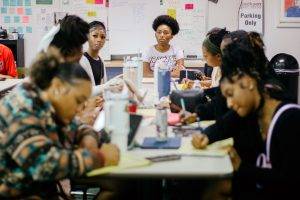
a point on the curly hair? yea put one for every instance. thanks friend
(253, 41)
(166, 20)
(246, 53)
(213, 30)
(71, 36)
(238, 59)
(50, 64)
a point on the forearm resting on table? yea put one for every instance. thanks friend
(6, 76)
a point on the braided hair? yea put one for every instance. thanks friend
(213, 40)
(71, 36)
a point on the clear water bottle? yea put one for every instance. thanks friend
(117, 117)
(130, 70)
(138, 62)
(157, 64)
(161, 120)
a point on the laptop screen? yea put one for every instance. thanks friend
(135, 121)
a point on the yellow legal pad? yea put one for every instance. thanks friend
(219, 148)
(127, 161)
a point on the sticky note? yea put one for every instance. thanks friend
(20, 29)
(11, 11)
(189, 6)
(91, 14)
(28, 29)
(25, 19)
(98, 1)
(20, 3)
(171, 12)
(3, 10)
(13, 3)
(5, 2)
(16, 19)
(27, 3)
(20, 11)
(90, 1)
(6, 19)
(28, 11)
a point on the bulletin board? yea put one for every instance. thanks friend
(128, 22)
(34, 18)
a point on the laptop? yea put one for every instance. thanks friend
(134, 120)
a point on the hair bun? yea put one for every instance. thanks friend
(45, 67)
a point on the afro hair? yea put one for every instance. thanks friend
(166, 20)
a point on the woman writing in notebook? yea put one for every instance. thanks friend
(212, 55)
(41, 143)
(270, 169)
(165, 28)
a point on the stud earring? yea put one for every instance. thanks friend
(251, 87)
(56, 92)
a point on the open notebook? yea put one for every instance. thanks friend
(127, 161)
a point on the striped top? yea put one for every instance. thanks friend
(35, 149)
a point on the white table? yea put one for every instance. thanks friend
(8, 84)
(186, 167)
(212, 167)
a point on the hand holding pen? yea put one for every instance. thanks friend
(175, 72)
(185, 116)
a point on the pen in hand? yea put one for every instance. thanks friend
(182, 105)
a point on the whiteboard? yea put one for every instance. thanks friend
(130, 24)
(34, 21)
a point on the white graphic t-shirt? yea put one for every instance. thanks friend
(169, 57)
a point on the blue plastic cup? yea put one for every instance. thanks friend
(163, 82)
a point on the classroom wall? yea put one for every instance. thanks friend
(277, 40)
(225, 14)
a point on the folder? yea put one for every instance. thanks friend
(216, 149)
(127, 161)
